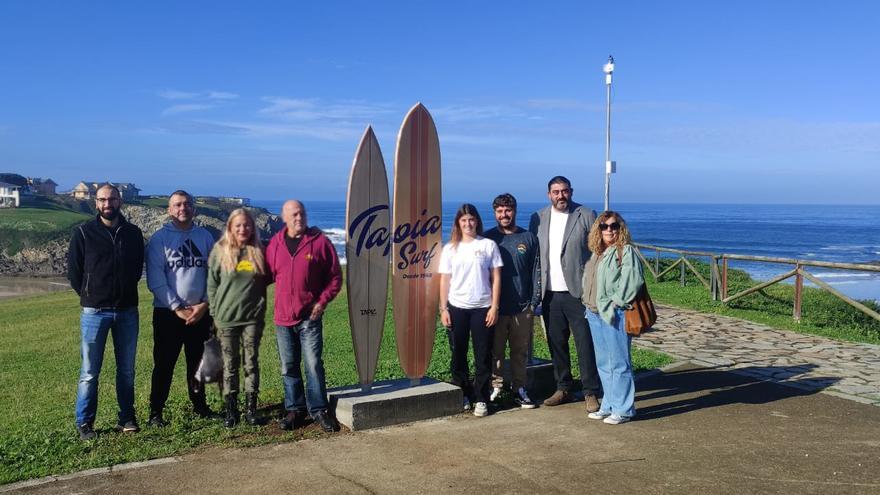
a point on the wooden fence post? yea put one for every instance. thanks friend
(723, 277)
(682, 273)
(657, 263)
(713, 282)
(798, 292)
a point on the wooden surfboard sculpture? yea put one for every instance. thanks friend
(415, 250)
(367, 247)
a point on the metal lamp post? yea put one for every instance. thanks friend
(610, 166)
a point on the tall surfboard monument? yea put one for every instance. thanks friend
(416, 241)
(367, 249)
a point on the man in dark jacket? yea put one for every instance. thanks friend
(105, 262)
(563, 228)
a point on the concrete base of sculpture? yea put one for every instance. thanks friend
(394, 402)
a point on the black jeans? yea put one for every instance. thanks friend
(564, 314)
(170, 333)
(471, 323)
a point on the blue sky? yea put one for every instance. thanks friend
(769, 102)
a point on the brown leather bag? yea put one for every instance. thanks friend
(642, 315)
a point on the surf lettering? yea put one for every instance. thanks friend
(368, 312)
(369, 238)
(407, 236)
(411, 256)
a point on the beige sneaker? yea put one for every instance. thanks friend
(558, 397)
(592, 403)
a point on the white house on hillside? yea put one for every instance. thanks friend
(9, 195)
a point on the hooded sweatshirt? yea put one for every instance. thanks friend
(312, 275)
(237, 297)
(177, 266)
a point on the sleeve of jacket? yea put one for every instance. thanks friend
(156, 280)
(269, 258)
(334, 278)
(139, 254)
(631, 278)
(536, 276)
(534, 221)
(213, 279)
(75, 259)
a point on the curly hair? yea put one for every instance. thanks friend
(227, 248)
(595, 242)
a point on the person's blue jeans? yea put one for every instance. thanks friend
(302, 342)
(614, 362)
(95, 324)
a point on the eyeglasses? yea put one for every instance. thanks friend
(613, 226)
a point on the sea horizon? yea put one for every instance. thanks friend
(836, 233)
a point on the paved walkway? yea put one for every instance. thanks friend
(845, 369)
(698, 430)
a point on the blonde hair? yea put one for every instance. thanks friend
(227, 248)
(595, 242)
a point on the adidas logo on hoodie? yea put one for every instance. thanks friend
(187, 255)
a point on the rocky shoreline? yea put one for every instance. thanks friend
(49, 259)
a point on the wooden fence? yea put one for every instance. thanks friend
(717, 283)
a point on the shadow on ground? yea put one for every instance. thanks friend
(667, 393)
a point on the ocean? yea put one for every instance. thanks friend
(842, 233)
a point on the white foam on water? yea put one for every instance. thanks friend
(843, 275)
(336, 236)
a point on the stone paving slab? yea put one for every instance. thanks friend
(845, 369)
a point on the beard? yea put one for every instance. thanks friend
(109, 215)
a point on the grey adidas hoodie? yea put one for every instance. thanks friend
(177, 266)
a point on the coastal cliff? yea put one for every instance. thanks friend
(38, 246)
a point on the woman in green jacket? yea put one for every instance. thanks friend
(237, 280)
(612, 278)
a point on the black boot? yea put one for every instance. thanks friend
(231, 411)
(250, 414)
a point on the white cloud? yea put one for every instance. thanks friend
(300, 109)
(172, 94)
(458, 113)
(185, 108)
(221, 95)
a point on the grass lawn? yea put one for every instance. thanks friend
(822, 313)
(36, 222)
(39, 366)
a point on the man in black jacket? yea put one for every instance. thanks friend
(104, 264)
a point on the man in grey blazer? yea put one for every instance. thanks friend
(562, 229)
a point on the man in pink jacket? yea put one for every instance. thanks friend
(305, 268)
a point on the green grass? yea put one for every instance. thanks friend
(37, 222)
(39, 366)
(821, 312)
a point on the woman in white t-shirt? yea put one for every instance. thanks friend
(470, 288)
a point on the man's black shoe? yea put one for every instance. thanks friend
(327, 422)
(86, 432)
(156, 421)
(293, 420)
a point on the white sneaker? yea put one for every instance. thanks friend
(495, 393)
(598, 415)
(615, 420)
(523, 399)
(466, 404)
(481, 409)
